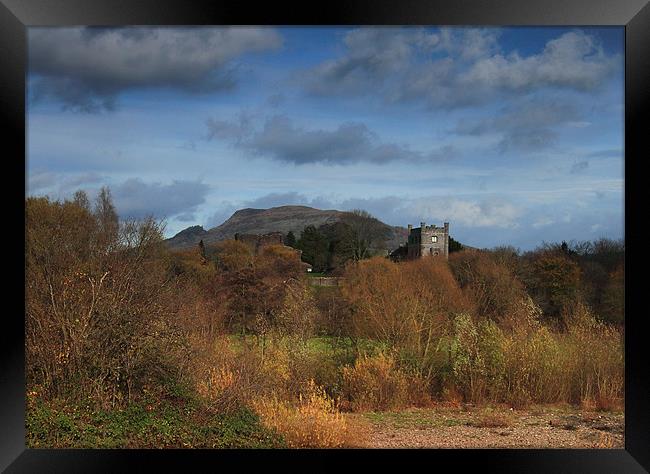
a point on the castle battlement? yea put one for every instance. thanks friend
(428, 241)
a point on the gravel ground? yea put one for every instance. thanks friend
(493, 428)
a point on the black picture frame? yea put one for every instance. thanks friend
(17, 15)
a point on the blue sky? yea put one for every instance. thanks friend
(513, 135)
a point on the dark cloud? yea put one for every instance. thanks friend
(137, 199)
(86, 68)
(528, 125)
(281, 139)
(455, 67)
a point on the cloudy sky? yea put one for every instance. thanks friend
(513, 135)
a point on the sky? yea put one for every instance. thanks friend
(512, 135)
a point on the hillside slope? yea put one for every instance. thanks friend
(276, 219)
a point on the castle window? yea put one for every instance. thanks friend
(434, 239)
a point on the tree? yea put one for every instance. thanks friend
(454, 245)
(490, 284)
(365, 233)
(99, 311)
(106, 216)
(613, 303)
(314, 246)
(408, 305)
(553, 281)
(80, 198)
(232, 255)
(290, 239)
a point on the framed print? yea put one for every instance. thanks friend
(326, 234)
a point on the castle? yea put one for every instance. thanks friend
(424, 241)
(428, 241)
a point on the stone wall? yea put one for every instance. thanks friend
(428, 241)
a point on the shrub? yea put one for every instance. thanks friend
(598, 359)
(99, 308)
(406, 305)
(493, 419)
(553, 280)
(583, 365)
(377, 384)
(477, 358)
(314, 422)
(489, 282)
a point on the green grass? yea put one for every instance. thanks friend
(187, 424)
(322, 345)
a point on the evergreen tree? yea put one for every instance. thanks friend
(314, 246)
(290, 239)
(454, 245)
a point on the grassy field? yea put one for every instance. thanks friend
(180, 423)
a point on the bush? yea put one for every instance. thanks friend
(407, 305)
(477, 358)
(99, 307)
(598, 359)
(314, 423)
(377, 384)
(583, 365)
(488, 281)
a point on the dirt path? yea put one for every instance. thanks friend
(493, 428)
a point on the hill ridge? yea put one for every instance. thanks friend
(274, 219)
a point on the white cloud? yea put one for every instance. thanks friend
(456, 67)
(542, 222)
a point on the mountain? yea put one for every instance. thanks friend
(276, 219)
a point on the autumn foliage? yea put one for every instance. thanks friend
(114, 318)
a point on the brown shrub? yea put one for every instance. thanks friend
(232, 255)
(377, 384)
(489, 283)
(493, 419)
(407, 305)
(583, 365)
(314, 422)
(99, 306)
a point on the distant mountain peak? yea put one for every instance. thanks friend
(282, 219)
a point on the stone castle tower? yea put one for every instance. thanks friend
(428, 241)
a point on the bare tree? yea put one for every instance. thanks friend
(365, 233)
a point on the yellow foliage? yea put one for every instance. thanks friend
(314, 422)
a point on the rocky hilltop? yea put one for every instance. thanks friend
(276, 219)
